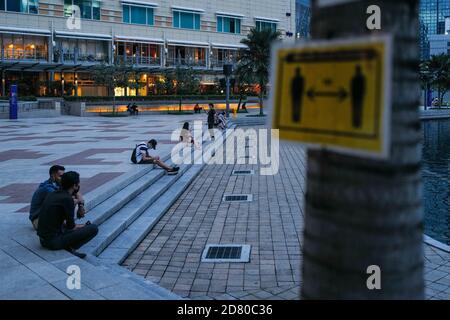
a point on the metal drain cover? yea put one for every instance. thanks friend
(226, 253)
(237, 198)
(243, 172)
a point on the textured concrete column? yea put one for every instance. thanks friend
(361, 212)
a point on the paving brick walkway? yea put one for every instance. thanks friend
(272, 224)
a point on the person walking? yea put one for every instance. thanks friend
(211, 120)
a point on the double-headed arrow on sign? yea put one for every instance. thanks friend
(341, 94)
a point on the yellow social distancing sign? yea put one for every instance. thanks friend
(334, 95)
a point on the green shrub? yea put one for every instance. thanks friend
(24, 98)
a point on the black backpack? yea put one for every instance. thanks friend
(133, 155)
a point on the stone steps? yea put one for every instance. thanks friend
(44, 276)
(122, 232)
(129, 239)
(118, 220)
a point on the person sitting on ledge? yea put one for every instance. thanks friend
(51, 185)
(57, 229)
(134, 109)
(143, 156)
(186, 136)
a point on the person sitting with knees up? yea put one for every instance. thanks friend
(143, 157)
(57, 229)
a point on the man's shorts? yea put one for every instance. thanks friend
(147, 162)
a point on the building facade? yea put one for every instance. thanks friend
(48, 42)
(432, 22)
(302, 18)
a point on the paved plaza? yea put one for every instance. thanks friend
(166, 262)
(98, 148)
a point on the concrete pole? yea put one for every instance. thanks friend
(3, 83)
(228, 95)
(364, 217)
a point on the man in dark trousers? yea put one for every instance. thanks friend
(211, 120)
(358, 86)
(297, 90)
(57, 229)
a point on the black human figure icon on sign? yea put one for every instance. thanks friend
(358, 88)
(297, 90)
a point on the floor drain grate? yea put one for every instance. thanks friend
(243, 172)
(226, 253)
(238, 198)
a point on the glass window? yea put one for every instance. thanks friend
(33, 6)
(13, 5)
(219, 24)
(126, 14)
(138, 15)
(229, 25)
(150, 17)
(186, 20)
(197, 21)
(85, 8)
(96, 10)
(89, 9)
(263, 25)
(176, 19)
(2, 4)
(120, 48)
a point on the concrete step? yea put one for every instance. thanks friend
(145, 284)
(250, 121)
(45, 276)
(123, 218)
(130, 238)
(104, 210)
(104, 192)
(117, 251)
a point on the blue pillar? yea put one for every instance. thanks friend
(13, 102)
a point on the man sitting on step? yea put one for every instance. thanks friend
(51, 185)
(57, 229)
(143, 157)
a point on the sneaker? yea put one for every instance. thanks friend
(173, 171)
(77, 254)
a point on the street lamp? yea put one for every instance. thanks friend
(228, 71)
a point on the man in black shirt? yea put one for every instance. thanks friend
(57, 229)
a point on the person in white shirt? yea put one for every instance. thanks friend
(143, 156)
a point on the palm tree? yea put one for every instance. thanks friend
(436, 71)
(362, 212)
(255, 59)
(243, 81)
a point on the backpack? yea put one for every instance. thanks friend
(133, 155)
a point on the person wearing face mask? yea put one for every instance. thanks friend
(57, 229)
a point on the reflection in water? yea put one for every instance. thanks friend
(436, 178)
